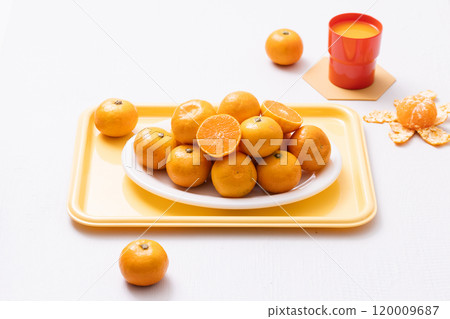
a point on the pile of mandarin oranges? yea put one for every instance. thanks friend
(239, 144)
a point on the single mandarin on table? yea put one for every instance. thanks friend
(279, 173)
(261, 136)
(312, 147)
(284, 47)
(241, 105)
(187, 166)
(219, 135)
(115, 117)
(152, 146)
(188, 117)
(234, 176)
(288, 118)
(143, 262)
(416, 111)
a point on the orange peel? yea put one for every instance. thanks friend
(441, 117)
(423, 101)
(399, 133)
(434, 135)
(380, 117)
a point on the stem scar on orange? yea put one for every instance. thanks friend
(284, 47)
(288, 118)
(143, 262)
(219, 135)
(115, 117)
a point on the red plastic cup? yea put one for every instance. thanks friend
(353, 60)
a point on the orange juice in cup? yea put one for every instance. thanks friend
(354, 44)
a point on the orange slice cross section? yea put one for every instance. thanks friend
(287, 118)
(219, 135)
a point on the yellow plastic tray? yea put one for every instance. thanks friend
(102, 195)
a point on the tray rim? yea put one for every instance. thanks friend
(75, 212)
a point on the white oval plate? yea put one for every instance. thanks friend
(206, 196)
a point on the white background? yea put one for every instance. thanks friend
(56, 62)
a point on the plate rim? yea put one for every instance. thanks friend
(229, 203)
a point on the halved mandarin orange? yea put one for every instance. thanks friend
(288, 119)
(219, 135)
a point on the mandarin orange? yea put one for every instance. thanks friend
(143, 262)
(284, 47)
(416, 112)
(312, 147)
(219, 135)
(279, 173)
(187, 166)
(287, 118)
(261, 136)
(188, 117)
(234, 176)
(152, 146)
(241, 105)
(115, 117)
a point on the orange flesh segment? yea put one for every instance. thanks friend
(283, 111)
(219, 135)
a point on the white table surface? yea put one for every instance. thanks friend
(56, 62)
